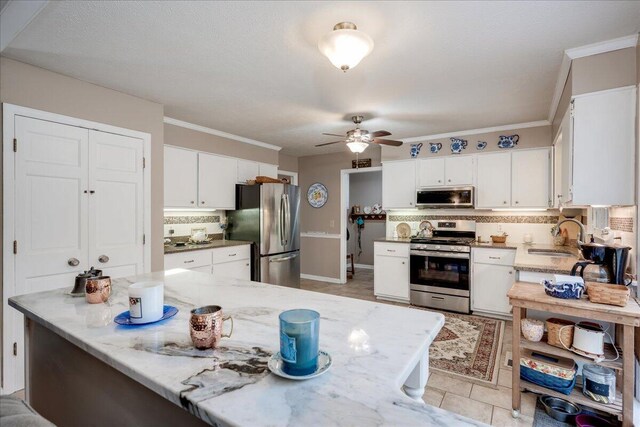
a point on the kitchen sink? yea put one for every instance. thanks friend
(550, 252)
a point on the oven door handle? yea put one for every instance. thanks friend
(457, 255)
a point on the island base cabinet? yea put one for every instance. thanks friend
(489, 288)
(70, 387)
(240, 269)
(391, 277)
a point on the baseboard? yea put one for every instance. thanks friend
(364, 266)
(320, 278)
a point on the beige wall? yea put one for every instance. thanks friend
(287, 163)
(605, 71)
(529, 138)
(563, 104)
(321, 257)
(196, 140)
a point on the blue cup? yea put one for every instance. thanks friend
(299, 334)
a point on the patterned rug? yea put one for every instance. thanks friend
(469, 347)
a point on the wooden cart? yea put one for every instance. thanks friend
(523, 296)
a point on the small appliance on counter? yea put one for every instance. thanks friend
(81, 282)
(604, 263)
(588, 340)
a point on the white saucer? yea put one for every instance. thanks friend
(324, 363)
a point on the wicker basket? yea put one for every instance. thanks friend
(499, 239)
(605, 293)
(555, 332)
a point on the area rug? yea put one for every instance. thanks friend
(468, 347)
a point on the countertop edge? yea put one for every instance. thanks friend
(212, 245)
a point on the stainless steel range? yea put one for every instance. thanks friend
(440, 266)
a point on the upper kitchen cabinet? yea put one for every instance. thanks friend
(598, 149)
(399, 184)
(445, 171)
(531, 178)
(266, 169)
(216, 181)
(247, 170)
(494, 181)
(180, 178)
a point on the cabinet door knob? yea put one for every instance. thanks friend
(517, 202)
(449, 180)
(202, 202)
(103, 259)
(504, 203)
(192, 202)
(439, 181)
(73, 262)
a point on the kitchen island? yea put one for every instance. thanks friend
(82, 369)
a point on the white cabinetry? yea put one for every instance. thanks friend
(391, 271)
(399, 184)
(247, 170)
(531, 178)
(492, 277)
(445, 171)
(232, 261)
(266, 169)
(598, 149)
(516, 179)
(180, 178)
(494, 180)
(216, 181)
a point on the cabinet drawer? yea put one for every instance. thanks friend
(392, 249)
(232, 253)
(190, 259)
(494, 256)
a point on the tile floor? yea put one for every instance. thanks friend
(491, 406)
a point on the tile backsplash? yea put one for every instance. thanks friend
(182, 222)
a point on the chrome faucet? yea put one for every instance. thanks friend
(583, 231)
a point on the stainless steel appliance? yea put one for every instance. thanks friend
(268, 215)
(445, 197)
(440, 267)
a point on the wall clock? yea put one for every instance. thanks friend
(317, 195)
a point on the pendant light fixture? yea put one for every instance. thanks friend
(357, 146)
(345, 46)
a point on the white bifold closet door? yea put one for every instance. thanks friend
(79, 203)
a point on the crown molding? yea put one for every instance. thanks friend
(187, 125)
(15, 16)
(477, 131)
(581, 52)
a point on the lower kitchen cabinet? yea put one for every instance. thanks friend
(214, 261)
(492, 278)
(240, 269)
(391, 271)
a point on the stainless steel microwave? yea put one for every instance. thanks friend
(445, 197)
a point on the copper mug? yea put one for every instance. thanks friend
(98, 289)
(206, 326)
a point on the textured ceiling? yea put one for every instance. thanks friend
(253, 68)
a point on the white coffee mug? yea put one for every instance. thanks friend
(528, 238)
(146, 302)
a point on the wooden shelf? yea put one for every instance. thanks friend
(577, 397)
(370, 217)
(543, 347)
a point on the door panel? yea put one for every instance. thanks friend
(216, 181)
(240, 269)
(272, 201)
(459, 170)
(391, 276)
(494, 180)
(490, 286)
(530, 174)
(51, 175)
(430, 172)
(180, 178)
(399, 184)
(116, 224)
(283, 270)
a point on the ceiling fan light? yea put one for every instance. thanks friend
(357, 146)
(345, 46)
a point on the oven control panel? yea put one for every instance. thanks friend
(441, 248)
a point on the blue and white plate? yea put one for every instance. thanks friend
(317, 195)
(124, 319)
(276, 362)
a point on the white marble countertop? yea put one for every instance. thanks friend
(374, 349)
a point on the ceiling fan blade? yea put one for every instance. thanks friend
(329, 143)
(380, 133)
(335, 134)
(387, 142)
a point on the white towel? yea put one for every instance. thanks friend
(561, 279)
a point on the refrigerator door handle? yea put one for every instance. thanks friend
(287, 217)
(290, 257)
(282, 220)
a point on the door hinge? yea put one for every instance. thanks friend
(15, 246)
(15, 348)
(144, 162)
(144, 239)
(15, 145)
(572, 108)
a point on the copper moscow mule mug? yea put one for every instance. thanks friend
(98, 289)
(206, 326)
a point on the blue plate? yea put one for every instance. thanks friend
(124, 319)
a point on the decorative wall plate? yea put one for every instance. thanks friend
(404, 230)
(317, 195)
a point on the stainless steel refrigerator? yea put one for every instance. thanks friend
(269, 216)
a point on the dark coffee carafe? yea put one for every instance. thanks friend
(602, 263)
(81, 281)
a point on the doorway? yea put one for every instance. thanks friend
(359, 188)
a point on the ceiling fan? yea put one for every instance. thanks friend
(359, 139)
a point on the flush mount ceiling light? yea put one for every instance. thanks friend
(345, 46)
